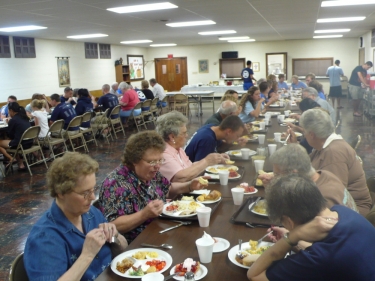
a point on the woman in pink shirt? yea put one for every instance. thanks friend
(177, 166)
(128, 101)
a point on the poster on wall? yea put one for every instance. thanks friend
(136, 69)
(63, 72)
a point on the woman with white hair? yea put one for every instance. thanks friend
(128, 101)
(332, 153)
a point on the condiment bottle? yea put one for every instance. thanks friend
(189, 276)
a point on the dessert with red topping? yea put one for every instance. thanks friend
(188, 265)
(247, 188)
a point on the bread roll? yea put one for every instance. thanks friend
(202, 181)
(201, 197)
(214, 195)
(249, 260)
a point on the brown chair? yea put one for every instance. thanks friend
(86, 117)
(181, 103)
(138, 119)
(116, 121)
(100, 124)
(17, 270)
(161, 108)
(154, 106)
(355, 143)
(30, 134)
(77, 134)
(146, 113)
(54, 138)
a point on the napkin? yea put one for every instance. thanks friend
(201, 191)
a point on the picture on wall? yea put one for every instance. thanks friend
(136, 69)
(63, 72)
(256, 67)
(203, 66)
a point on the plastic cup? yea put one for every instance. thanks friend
(266, 122)
(272, 148)
(281, 118)
(262, 125)
(277, 136)
(259, 164)
(204, 214)
(154, 276)
(287, 113)
(261, 139)
(237, 193)
(224, 176)
(245, 153)
(281, 103)
(261, 151)
(205, 248)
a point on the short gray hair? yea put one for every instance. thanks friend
(170, 123)
(311, 92)
(261, 80)
(317, 121)
(106, 87)
(124, 86)
(114, 84)
(292, 158)
(227, 107)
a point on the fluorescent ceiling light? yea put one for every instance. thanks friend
(327, 36)
(163, 45)
(234, 38)
(341, 19)
(190, 23)
(217, 32)
(136, 42)
(142, 8)
(346, 3)
(239, 41)
(87, 36)
(22, 28)
(332, 30)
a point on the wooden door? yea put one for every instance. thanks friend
(171, 73)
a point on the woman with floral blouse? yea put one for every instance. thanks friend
(133, 194)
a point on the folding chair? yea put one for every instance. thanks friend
(136, 118)
(164, 100)
(146, 112)
(86, 117)
(181, 103)
(355, 143)
(114, 121)
(54, 137)
(30, 134)
(77, 134)
(17, 270)
(100, 124)
(154, 109)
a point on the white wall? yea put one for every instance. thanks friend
(369, 51)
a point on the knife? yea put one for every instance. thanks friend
(173, 227)
(256, 202)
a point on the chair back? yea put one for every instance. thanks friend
(17, 270)
(56, 126)
(355, 143)
(180, 98)
(137, 106)
(86, 117)
(154, 102)
(146, 103)
(31, 133)
(115, 110)
(75, 122)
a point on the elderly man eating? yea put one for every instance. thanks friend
(312, 93)
(226, 109)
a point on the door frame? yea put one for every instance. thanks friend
(186, 76)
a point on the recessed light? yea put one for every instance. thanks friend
(234, 38)
(341, 19)
(136, 42)
(87, 36)
(22, 28)
(327, 36)
(163, 45)
(239, 41)
(217, 32)
(332, 30)
(142, 8)
(190, 23)
(346, 3)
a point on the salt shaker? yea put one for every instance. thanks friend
(189, 276)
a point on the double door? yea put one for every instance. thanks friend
(171, 73)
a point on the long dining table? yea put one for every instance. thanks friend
(183, 238)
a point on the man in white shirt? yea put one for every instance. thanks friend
(158, 91)
(335, 92)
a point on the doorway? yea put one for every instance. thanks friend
(171, 73)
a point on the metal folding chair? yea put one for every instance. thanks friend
(86, 117)
(77, 134)
(54, 137)
(116, 121)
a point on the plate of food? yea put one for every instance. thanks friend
(213, 197)
(256, 122)
(248, 189)
(189, 264)
(258, 181)
(273, 114)
(215, 169)
(238, 153)
(251, 137)
(250, 251)
(181, 208)
(139, 262)
(276, 104)
(289, 120)
(220, 245)
(259, 208)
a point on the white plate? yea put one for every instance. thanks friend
(225, 166)
(162, 256)
(239, 155)
(221, 245)
(177, 214)
(274, 105)
(202, 272)
(289, 120)
(248, 193)
(233, 251)
(255, 137)
(255, 212)
(209, 201)
(255, 122)
(273, 114)
(216, 177)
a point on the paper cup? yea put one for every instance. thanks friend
(272, 148)
(224, 176)
(154, 276)
(262, 125)
(281, 103)
(205, 248)
(237, 193)
(261, 139)
(277, 136)
(245, 153)
(281, 118)
(204, 214)
(259, 164)
(287, 113)
(267, 121)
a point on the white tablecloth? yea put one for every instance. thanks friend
(219, 90)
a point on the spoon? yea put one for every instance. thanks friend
(239, 253)
(165, 246)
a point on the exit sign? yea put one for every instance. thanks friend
(170, 56)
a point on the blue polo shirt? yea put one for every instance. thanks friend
(54, 244)
(202, 143)
(64, 111)
(283, 85)
(4, 110)
(108, 101)
(299, 85)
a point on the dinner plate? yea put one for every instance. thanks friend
(163, 256)
(216, 168)
(221, 245)
(255, 212)
(289, 120)
(202, 272)
(255, 122)
(238, 153)
(253, 138)
(272, 115)
(274, 105)
(248, 193)
(208, 201)
(216, 176)
(177, 214)
(233, 251)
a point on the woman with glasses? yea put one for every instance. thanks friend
(72, 240)
(177, 166)
(133, 194)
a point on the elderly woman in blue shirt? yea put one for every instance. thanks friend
(72, 240)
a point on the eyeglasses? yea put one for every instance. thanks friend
(87, 193)
(155, 162)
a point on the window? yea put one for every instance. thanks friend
(4, 47)
(105, 51)
(24, 47)
(91, 50)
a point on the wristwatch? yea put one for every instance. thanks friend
(286, 237)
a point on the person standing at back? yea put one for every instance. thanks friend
(357, 78)
(335, 91)
(247, 76)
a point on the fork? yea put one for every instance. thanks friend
(261, 239)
